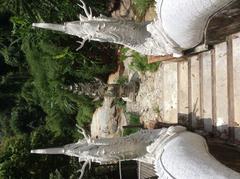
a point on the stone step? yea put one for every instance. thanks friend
(170, 93)
(222, 121)
(236, 84)
(194, 92)
(183, 109)
(203, 91)
(206, 90)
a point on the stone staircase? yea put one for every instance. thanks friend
(203, 91)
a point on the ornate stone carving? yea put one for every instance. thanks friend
(175, 153)
(180, 25)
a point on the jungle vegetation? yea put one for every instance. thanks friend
(35, 110)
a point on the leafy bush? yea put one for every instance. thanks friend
(49, 66)
(122, 80)
(25, 118)
(141, 6)
(120, 103)
(133, 120)
(84, 115)
(140, 63)
(35, 110)
(123, 52)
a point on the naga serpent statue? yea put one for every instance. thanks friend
(180, 25)
(174, 152)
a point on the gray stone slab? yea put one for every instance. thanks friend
(236, 83)
(221, 88)
(207, 91)
(183, 108)
(195, 91)
(170, 93)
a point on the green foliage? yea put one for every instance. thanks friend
(140, 63)
(51, 68)
(10, 46)
(11, 56)
(25, 119)
(29, 93)
(13, 152)
(55, 175)
(122, 80)
(17, 162)
(123, 54)
(40, 10)
(98, 7)
(84, 115)
(120, 103)
(35, 110)
(133, 120)
(41, 137)
(5, 124)
(141, 6)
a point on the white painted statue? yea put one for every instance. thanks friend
(180, 25)
(175, 153)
